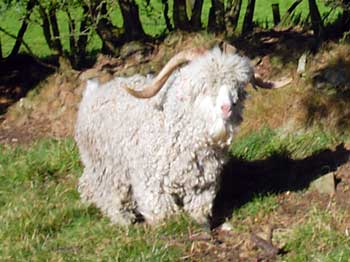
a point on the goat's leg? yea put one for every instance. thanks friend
(199, 205)
(153, 203)
(109, 192)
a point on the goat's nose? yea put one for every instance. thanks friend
(226, 110)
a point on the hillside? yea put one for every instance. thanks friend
(289, 138)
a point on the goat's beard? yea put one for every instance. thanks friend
(221, 132)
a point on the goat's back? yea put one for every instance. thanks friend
(112, 125)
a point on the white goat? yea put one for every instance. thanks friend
(155, 157)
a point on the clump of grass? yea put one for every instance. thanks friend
(319, 239)
(266, 143)
(257, 145)
(259, 207)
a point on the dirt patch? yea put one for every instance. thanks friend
(50, 113)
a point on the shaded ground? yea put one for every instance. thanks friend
(18, 75)
(51, 113)
(287, 44)
(242, 181)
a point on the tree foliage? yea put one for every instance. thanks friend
(344, 22)
(86, 18)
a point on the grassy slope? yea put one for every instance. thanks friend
(153, 23)
(42, 218)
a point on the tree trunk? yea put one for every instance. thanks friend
(78, 39)
(132, 24)
(196, 18)
(180, 15)
(57, 45)
(216, 16)
(211, 20)
(316, 20)
(23, 29)
(112, 37)
(72, 34)
(166, 15)
(50, 29)
(52, 35)
(45, 26)
(248, 18)
(1, 57)
(286, 17)
(345, 19)
(276, 14)
(85, 29)
(232, 14)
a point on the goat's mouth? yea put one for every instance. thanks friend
(226, 111)
(227, 115)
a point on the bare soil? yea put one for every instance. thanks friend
(50, 111)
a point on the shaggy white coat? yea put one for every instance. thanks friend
(155, 157)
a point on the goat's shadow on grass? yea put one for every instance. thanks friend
(242, 180)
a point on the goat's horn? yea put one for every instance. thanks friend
(227, 48)
(258, 81)
(177, 60)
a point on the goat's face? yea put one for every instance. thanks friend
(210, 87)
(218, 82)
(221, 108)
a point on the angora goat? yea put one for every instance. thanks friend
(153, 157)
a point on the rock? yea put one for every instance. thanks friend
(331, 78)
(227, 226)
(336, 77)
(324, 184)
(302, 64)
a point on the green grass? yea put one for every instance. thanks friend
(258, 206)
(151, 17)
(318, 238)
(256, 209)
(266, 143)
(43, 219)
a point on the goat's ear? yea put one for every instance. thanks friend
(227, 48)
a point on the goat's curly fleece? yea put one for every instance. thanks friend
(155, 157)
